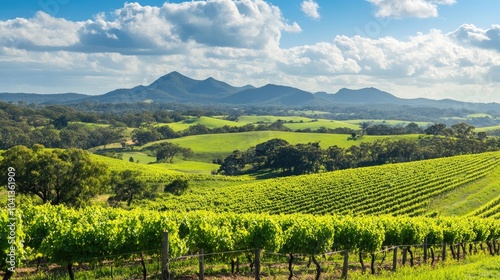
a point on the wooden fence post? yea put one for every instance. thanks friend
(257, 264)
(395, 258)
(345, 268)
(165, 273)
(202, 265)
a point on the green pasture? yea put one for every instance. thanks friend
(210, 146)
(387, 122)
(206, 121)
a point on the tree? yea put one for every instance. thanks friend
(435, 129)
(463, 130)
(104, 136)
(144, 135)
(167, 151)
(56, 176)
(233, 164)
(481, 136)
(267, 150)
(127, 185)
(167, 132)
(177, 187)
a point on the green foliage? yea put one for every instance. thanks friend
(177, 187)
(92, 234)
(56, 176)
(128, 185)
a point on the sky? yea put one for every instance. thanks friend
(411, 48)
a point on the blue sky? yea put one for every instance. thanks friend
(411, 48)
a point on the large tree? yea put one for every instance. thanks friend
(128, 185)
(167, 151)
(56, 176)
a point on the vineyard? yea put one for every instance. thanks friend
(95, 234)
(396, 189)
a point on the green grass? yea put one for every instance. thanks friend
(188, 166)
(270, 119)
(474, 267)
(206, 121)
(138, 156)
(210, 146)
(319, 123)
(479, 116)
(468, 198)
(487, 128)
(91, 125)
(387, 122)
(162, 173)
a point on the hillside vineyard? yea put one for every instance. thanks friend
(397, 189)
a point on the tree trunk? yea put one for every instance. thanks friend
(144, 271)
(237, 264)
(290, 268)
(452, 251)
(373, 263)
(361, 262)
(249, 257)
(432, 255)
(233, 262)
(489, 248)
(403, 262)
(70, 271)
(411, 256)
(8, 275)
(318, 268)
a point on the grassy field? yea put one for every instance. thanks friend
(387, 122)
(474, 267)
(210, 146)
(468, 198)
(206, 121)
(293, 123)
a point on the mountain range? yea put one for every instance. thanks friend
(177, 88)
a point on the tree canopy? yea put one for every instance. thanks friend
(56, 176)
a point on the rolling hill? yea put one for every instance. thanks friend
(396, 189)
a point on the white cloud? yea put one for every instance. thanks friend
(310, 8)
(471, 35)
(408, 8)
(136, 29)
(46, 54)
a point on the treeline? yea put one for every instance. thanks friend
(153, 133)
(69, 176)
(278, 155)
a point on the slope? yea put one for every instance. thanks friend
(397, 189)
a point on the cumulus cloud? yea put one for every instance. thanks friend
(310, 8)
(136, 29)
(408, 8)
(471, 35)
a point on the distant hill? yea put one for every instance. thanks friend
(272, 95)
(42, 98)
(175, 87)
(364, 95)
